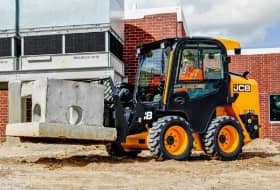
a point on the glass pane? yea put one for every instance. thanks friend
(5, 47)
(275, 108)
(212, 61)
(38, 45)
(200, 70)
(190, 67)
(41, 13)
(7, 19)
(151, 75)
(85, 42)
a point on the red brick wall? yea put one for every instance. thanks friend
(3, 113)
(145, 30)
(265, 69)
(180, 30)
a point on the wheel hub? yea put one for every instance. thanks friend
(222, 139)
(228, 139)
(170, 140)
(175, 140)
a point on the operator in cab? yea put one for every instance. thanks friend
(190, 70)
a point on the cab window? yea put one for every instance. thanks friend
(212, 64)
(190, 67)
(200, 70)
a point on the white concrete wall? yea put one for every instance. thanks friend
(63, 74)
(117, 64)
(7, 64)
(66, 61)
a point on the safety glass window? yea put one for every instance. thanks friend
(190, 67)
(200, 70)
(212, 63)
(275, 108)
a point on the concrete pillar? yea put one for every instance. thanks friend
(15, 102)
(15, 108)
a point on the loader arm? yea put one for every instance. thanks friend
(112, 100)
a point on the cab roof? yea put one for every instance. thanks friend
(229, 44)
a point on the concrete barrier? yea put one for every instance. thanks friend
(60, 109)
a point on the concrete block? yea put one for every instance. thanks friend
(67, 102)
(60, 109)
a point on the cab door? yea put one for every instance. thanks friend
(200, 82)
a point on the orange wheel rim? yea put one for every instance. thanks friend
(228, 139)
(175, 140)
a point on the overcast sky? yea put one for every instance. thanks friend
(256, 23)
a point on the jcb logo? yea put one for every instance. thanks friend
(148, 115)
(241, 88)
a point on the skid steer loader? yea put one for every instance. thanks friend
(167, 111)
(171, 115)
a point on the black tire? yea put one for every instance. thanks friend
(223, 138)
(161, 141)
(115, 149)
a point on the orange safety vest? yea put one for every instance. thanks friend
(155, 81)
(192, 74)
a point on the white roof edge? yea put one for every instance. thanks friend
(135, 13)
(260, 51)
(185, 23)
(7, 33)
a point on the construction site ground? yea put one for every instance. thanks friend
(52, 166)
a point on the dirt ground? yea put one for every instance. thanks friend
(41, 166)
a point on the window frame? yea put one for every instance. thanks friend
(201, 87)
(202, 67)
(269, 106)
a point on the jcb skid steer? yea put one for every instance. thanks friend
(184, 99)
(172, 115)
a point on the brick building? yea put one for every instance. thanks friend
(264, 66)
(143, 26)
(3, 113)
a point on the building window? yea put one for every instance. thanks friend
(5, 47)
(85, 42)
(275, 108)
(40, 45)
(116, 47)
